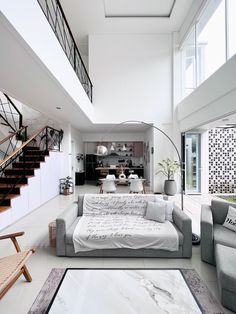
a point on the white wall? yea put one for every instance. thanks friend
(76, 138)
(116, 137)
(213, 99)
(131, 75)
(72, 144)
(41, 64)
(40, 189)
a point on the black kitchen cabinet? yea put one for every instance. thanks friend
(90, 166)
(79, 178)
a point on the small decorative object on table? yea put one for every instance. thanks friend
(66, 186)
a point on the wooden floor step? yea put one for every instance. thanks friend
(14, 180)
(5, 202)
(16, 171)
(9, 185)
(28, 164)
(19, 176)
(32, 158)
(37, 152)
(31, 148)
(11, 189)
(4, 208)
(8, 197)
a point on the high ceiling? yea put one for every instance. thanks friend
(123, 16)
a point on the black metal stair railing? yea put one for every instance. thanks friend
(17, 167)
(57, 19)
(9, 114)
(10, 144)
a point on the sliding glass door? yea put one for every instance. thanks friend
(192, 163)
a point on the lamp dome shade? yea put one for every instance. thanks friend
(102, 150)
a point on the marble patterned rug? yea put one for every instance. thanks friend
(118, 291)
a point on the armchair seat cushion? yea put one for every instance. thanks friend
(224, 236)
(10, 267)
(226, 264)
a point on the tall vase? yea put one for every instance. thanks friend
(170, 187)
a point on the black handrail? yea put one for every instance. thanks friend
(10, 114)
(56, 17)
(17, 110)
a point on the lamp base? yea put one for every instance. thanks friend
(195, 239)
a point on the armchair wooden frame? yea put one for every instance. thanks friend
(12, 267)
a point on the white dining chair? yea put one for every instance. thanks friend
(108, 186)
(111, 177)
(133, 176)
(136, 186)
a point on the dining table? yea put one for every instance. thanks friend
(123, 181)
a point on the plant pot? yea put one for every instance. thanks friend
(170, 187)
(66, 191)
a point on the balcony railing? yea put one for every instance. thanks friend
(56, 18)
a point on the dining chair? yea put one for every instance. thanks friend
(136, 186)
(133, 176)
(111, 177)
(108, 186)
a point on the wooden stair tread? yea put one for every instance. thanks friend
(9, 196)
(3, 208)
(28, 162)
(22, 168)
(19, 176)
(9, 185)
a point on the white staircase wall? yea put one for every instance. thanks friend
(40, 189)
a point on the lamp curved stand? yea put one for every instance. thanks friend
(195, 237)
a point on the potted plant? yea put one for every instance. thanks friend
(66, 186)
(169, 167)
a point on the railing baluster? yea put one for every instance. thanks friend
(58, 19)
(46, 138)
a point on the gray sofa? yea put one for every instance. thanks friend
(67, 221)
(212, 230)
(226, 275)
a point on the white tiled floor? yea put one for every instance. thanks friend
(19, 298)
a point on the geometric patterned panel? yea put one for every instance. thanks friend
(222, 160)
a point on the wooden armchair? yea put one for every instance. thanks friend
(13, 266)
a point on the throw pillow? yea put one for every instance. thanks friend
(230, 220)
(169, 205)
(155, 212)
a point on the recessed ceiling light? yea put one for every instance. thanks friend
(58, 108)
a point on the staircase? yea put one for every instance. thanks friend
(20, 164)
(16, 177)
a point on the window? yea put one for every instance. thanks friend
(211, 52)
(231, 6)
(209, 44)
(189, 64)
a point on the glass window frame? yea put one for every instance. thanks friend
(194, 28)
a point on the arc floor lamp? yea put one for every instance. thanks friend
(102, 151)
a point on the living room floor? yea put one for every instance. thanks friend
(21, 296)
